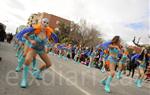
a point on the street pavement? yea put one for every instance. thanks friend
(63, 78)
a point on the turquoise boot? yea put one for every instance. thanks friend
(50, 53)
(78, 62)
(89, 65)
(107, 85)
(37, 74)
(139, 82)
(19, 57)
(34, 64)
(75, 60)
(20, 63)
(136, 81)
(17, 53)
(17, 46)
(92, 64)
(60, 56)
(65, 58)
(24, 81)
(119, 75)
(103, 82)
(99, 64)
(103, 70)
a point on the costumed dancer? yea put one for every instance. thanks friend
(93, 53)
(141, 68)
(77, 55)
(104, 55)
(60, 48)
(114, 49)
(24, 52)
(122, 64)
(41, 34)
(65, 53)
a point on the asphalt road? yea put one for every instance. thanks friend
(63, 78)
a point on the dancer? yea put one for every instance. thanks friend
(122, 64)
(142, 66)
(91, 57)
(105, 63)
(25, 46)
(41, 34)
(114, 49)
(77, 56)
(104, 54)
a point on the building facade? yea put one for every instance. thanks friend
(53, 20)
(33, 19)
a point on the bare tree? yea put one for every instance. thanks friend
(79, 34)
(139, 45)
(89, 34)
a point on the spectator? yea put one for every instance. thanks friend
(9, 37)
(2, 33)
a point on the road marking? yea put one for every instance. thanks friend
(67, 79)
(86, 93)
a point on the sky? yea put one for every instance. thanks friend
(126, 18)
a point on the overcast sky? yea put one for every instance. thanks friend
(127, 18)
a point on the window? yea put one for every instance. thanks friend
(57, 22)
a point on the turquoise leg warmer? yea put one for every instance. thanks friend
(24, 81)
(107, 85)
